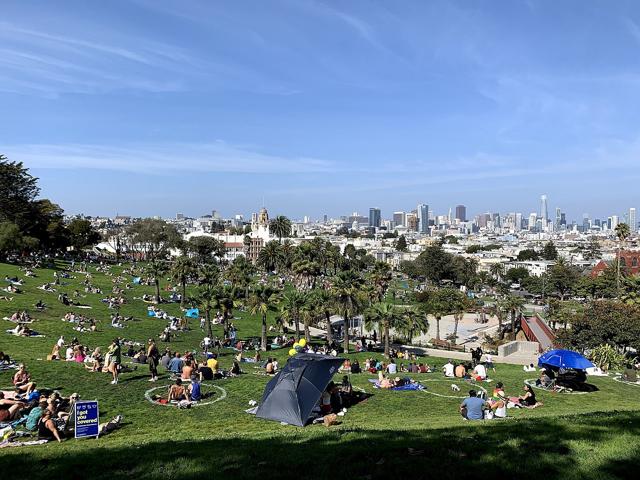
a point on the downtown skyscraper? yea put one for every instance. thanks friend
(423, 218)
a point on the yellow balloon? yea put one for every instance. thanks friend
(296, 345)
(302, 342)
(292, 352)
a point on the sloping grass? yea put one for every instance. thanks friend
(574, 436)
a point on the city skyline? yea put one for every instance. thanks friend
(150, 107)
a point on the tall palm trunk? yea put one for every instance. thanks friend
(438, 318)
(456, 320)
(296, 322)
(386, 339)
(225, 323)
(264, 333)
(329, 332)
(207, 316)
(184, 292)
(346, 332)
(513, 323)
(157, 283)
(307, 332)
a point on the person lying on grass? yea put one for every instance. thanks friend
(22, 380)
(10, 409)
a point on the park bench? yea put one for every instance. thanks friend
(446, 345)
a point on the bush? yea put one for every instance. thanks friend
(607, 358)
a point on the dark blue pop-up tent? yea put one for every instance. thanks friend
(291, 395)
(564, 359)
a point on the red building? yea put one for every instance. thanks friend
(629, 263)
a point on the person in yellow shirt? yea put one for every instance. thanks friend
(212, 363)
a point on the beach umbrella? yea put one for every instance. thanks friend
(564, 359)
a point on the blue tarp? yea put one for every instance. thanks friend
(408, 386)
(136, 280)
(564, 359)
(151, 313)
(192, 313)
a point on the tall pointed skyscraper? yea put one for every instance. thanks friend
(544, 211)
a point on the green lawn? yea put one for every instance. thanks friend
(573, 436)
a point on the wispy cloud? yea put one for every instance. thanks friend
(165, 159)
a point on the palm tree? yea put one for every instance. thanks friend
(183, 268)
(513, 304)
(380, 277)
(280, 226)
(622, 232)
(307, 272)
(206, 296)
(292, 303)
(387, 315)
(270, 257)
(497, 270)
(309, 312)
(262, 300)
(325, 302)
(240, 273)
(414, 321)
(156, 268)
(224, 300)
(346, 289)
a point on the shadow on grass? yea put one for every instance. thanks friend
(531, 449)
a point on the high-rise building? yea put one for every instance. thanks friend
(533, 217)
(518, 223)
(412, 222)
(633, 225)
(374, 217)
(325, 218)
(399, 219)
(558, 218)
(586, 222)
(563, 219)
(544, 210)
(423, 218)
(461, 213)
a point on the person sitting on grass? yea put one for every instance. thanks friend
(194, 391)
(9, 409)
(47, 427)
(177, 392)
(35, 414)
(204, 372)
(235, 370)
(480, 372)
(355, 366)
(472, 408)
(187, 370)
(22, 381)
(448, 369)
(269, 368)
(528, 400)
(176, 364)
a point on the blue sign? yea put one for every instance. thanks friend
(86, 419)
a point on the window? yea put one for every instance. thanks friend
(634, 262)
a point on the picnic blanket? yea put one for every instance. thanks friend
(407, 387)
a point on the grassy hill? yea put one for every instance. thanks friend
(416, 434)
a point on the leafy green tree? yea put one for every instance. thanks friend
(18, 191)
(240, 274)
(82, 234)
(440, 302)
(414, 321)
(563, 278)
(528, 254)
(206, 249)
(262, 300)
(280, 227)
(549, 252)
(153, 237)
(224, 300)
(206, 297)
(401, 244)
(12, 241)
(592, 250)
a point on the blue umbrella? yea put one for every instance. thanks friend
(564, 359)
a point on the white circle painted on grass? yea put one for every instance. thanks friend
(618, 378)
(457, 397)
(223, 395)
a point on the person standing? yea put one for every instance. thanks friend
(152, 359)
(115, 359)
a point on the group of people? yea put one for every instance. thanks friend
(467, 371)
(82, 322)
(475, 407)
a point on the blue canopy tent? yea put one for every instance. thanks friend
(564, 359)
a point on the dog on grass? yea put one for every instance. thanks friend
(455, 388)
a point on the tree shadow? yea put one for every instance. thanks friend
(529, 449)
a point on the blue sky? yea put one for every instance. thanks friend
(151, 107)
